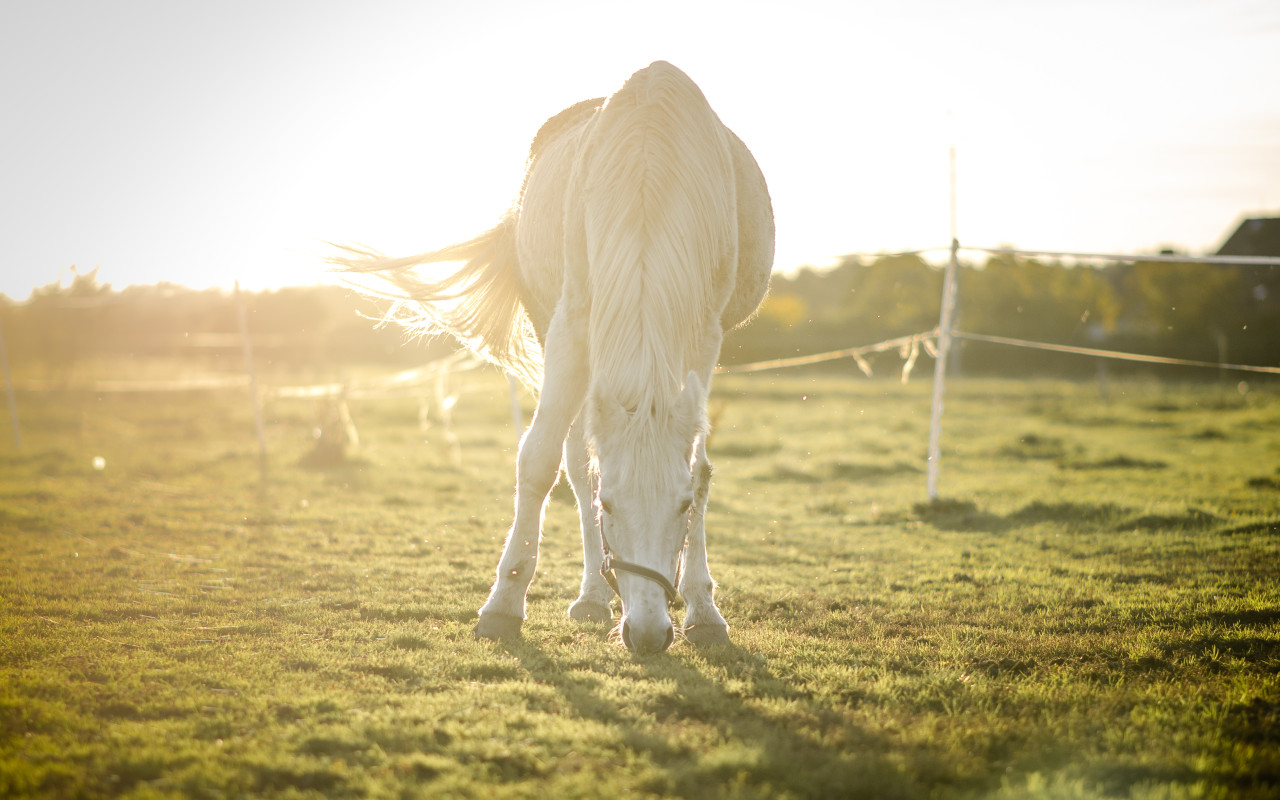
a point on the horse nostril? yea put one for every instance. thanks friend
(646, 646)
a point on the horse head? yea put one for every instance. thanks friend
(645, 489)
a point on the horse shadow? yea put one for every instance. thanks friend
(762, 730)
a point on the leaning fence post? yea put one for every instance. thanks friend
(945, 323)
(8, 385)
(253, 379)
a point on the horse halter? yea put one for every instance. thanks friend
(613, 565)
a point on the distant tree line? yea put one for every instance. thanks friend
(1196, 311)
(291, 328)
(1205, 312)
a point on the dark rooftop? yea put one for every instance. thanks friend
(1259, 236)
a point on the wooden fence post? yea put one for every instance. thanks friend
(13, 402)
(253, 379)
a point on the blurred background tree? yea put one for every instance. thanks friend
(60, 324)
(1204, 312)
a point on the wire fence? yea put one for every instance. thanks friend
(935, 343)
(1112, 354)
(907, 346)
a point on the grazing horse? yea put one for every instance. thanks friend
(644, 231)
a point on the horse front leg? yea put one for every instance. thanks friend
(703, 622)
(537, 468)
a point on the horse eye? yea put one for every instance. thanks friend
(604, 506)
(685, 505)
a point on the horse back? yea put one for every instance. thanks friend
(755, 237)
(554, 155)
(540, 219)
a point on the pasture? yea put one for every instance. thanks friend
(1093, 612)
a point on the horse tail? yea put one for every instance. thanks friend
(478, 304)
(660, 221)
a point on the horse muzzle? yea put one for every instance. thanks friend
(647, 638)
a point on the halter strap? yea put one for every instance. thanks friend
(613, 565)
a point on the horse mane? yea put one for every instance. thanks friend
(660, 222)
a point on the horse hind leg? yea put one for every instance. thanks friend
(593, 600)
(537, 468)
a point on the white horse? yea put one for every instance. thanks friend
(644, 231)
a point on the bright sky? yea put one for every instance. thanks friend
(202, 143)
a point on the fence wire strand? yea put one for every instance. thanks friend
(909, 343)
(1111, 354)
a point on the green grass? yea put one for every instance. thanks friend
(1094, 610)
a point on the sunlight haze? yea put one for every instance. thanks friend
(205, 143)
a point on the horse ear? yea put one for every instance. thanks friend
(607, 415)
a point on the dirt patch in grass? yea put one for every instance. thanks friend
(1116, 462)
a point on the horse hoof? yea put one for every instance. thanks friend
(587, 611)
(705, 635)
(498, 626)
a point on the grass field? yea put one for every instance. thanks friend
(1094, 610)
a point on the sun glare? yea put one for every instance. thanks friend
(1074, 129)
